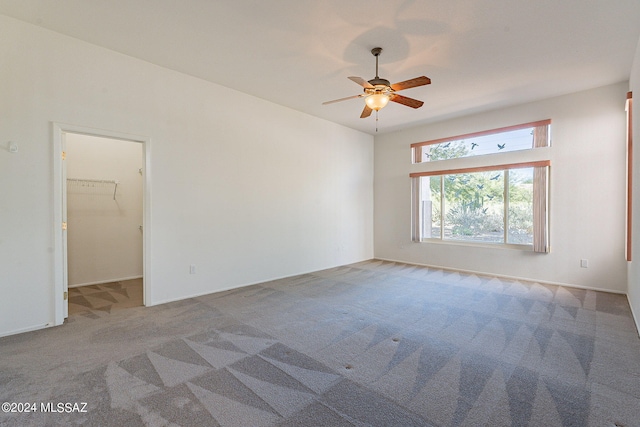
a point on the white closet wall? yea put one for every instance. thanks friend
(104, 238)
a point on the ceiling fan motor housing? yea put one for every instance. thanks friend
(378, 81)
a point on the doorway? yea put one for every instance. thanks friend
(102, 180)
(104, 223)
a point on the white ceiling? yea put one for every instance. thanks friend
(479, 54)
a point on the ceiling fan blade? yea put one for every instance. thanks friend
(366, 112)
(342, 99)
(362, 82)
(409, 102)
(418, 81)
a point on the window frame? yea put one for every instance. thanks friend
(491, 162)
(629, 213)
(416, 152)
(417, 231)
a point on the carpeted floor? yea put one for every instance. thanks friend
(374, 343)
(95, 301)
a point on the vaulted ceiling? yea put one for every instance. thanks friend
(479, 54)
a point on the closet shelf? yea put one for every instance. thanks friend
(95, 183)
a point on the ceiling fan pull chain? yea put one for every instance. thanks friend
(376, 120)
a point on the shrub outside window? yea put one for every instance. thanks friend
(488, 206)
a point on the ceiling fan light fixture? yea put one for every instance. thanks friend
(377, 101)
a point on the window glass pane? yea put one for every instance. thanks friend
(520, 206)
(474, 207)
(521, 139)
(445, 151)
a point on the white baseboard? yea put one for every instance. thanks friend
(100, 282)
(636, 319)
(23, 330)
(504, 276)
(229, 288)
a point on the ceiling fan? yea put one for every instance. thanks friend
(378, 92)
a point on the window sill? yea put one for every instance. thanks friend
(510, 246)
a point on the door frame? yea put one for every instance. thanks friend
(60, 267)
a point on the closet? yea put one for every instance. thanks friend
(104, 223)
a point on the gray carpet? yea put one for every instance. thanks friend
(374, 343)
(95, 301)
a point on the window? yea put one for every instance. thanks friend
(493, 204)
(629, 108)
(512, 138)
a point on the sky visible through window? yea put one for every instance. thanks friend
(520, 139)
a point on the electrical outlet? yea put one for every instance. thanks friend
(584, 263)
(192, 269)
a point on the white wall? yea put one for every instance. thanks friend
(244, 189)
(634, 265)
(587, 193)
(104, 241)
